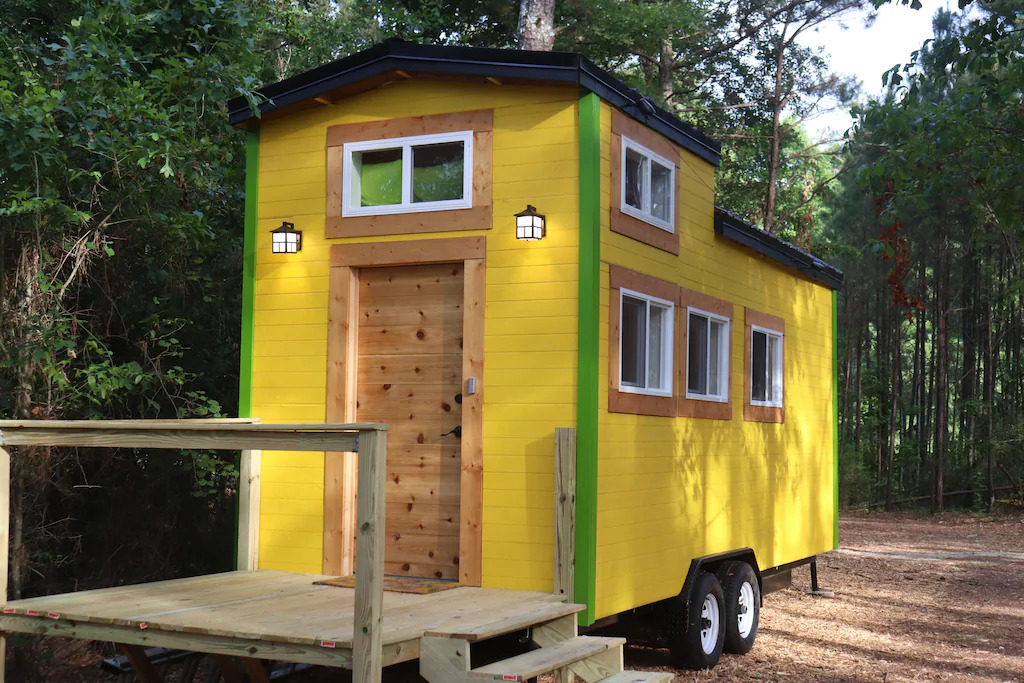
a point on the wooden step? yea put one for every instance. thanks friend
(546, 659)
(639, 677)
(542, 613)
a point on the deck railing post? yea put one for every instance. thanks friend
(367, 656)
(249, 509)
(5, 526)
(565, 511)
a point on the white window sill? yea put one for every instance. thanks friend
(645, 392)
(393, 209)
(705, 397)
(763, 404)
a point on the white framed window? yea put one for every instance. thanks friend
(408, 174)
(648, 185)
(707, 356)
(645, 344)
(765, 367)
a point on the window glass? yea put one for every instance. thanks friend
(698, 355)
(378, 177)
(759, 366)
(438, 171)
(634, 195)
(647, 185)
(715, 334)
(773, 374)
(656, 351)
(634, 324)
(661, 192)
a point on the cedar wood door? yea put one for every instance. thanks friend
(409, 359)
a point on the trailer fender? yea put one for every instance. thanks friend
(711, 563)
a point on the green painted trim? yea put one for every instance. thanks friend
(588, 354)
(245, 361)
(835, 416)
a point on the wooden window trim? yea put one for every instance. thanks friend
(340, 471)
(752, 413)
(695, 407)
(623, 223)
(479, 217)
(626, 402)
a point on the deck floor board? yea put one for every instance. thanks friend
(269, 607)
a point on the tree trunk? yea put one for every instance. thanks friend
(941, 367)
(666, 69)
(773, 159)
(893, 404)
(536, 25)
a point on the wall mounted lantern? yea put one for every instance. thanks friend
(286, 239)
(530, 225)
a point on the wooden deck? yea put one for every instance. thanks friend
(262, 614)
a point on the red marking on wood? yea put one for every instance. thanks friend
(327, 643)
(53, 615)
(32, 612)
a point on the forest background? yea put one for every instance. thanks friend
(121, 195)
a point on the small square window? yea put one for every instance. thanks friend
(648, 185)
(707, 356)
(645, 352)
(406, 175)
(765, 367)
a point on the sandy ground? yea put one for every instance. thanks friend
(916, 598)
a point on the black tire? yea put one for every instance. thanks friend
(742, 606)
(700, 645)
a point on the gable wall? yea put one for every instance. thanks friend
(529, 379)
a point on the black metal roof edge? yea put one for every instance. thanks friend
(732, 227)
(400, 55)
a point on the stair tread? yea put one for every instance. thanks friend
(540, 614)
(545, 659)
(639, 677)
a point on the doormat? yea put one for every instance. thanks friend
(396, 584)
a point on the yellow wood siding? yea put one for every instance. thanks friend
(670, 489)
(530, 331)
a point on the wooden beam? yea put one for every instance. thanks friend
(340, 468)
(5, 525)
(471, 483)
(242, 437)
(249, 468)
(369, 591)
(565, 511)
(254, 670)
(143, 668)
(194, 642)
(228, 669)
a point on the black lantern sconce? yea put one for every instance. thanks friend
(530, 225)
(286, 239)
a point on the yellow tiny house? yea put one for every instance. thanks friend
(692, 353)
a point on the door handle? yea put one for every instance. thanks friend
(457, 431)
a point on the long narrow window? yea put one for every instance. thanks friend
(645, 352)
(648, 185)
(410, 174)
(707, 356)
(765, 367)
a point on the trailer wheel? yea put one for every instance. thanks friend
(742, 606)
(700, 645)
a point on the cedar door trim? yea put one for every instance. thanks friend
(623, 223)
(340, 472)
(696, 407)
(621, 401)
(752, 413)
(478, 217)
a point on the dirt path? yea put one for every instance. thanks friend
(917, 598)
